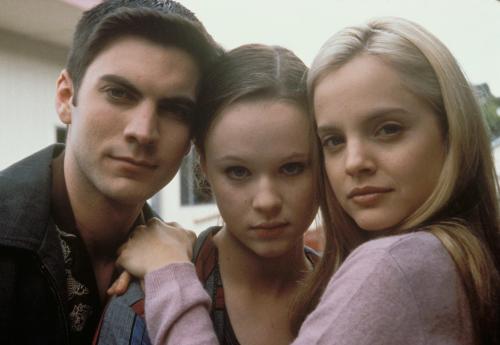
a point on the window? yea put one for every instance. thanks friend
(194, 189)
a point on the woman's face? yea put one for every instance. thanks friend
(383, 146)
(258, 162)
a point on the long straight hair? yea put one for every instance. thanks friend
(462, 211)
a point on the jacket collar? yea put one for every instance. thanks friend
(25, 204)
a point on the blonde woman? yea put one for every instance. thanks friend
(409, 205)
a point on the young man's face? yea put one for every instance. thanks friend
(130, 127)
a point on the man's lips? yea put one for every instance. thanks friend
(136, 162)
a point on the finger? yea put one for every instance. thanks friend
(153, 220)
(112, 289)
(120, 250)
(137, 230)
(174, 225)
(122, 283)
(191, 235)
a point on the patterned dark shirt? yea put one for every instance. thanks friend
(83, 303)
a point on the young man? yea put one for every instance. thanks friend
(127, 95)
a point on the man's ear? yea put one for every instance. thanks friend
(64, 96)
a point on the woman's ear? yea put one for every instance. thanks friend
(64, 97)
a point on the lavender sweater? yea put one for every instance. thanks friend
(395, 290)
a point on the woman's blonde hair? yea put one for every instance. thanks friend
(462, 210)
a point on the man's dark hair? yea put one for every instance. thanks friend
(163, 22)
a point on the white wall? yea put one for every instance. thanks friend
(28, 71)
(470, 28)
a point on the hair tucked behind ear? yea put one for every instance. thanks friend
(462, 211)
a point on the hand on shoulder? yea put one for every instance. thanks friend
(155, 245)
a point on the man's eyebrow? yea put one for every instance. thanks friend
(185, 102)
(115, 79)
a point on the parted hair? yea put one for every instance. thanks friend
(251, 72)
(462, 210)
(163, 22)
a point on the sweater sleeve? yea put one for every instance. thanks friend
(177, 307)
(396, 290)
(368, 301)
(405, 292)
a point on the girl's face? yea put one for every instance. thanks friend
(258, 162)
(383, 146)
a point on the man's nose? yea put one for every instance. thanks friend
(142, 126)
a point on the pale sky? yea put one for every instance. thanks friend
(470, 28)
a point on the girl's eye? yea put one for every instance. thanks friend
(237, 173)
(332, 142)
(292, 169)
(390, 129)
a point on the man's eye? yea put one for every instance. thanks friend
(237, 173)
(180, 112)
(118, 94)
(293, 168)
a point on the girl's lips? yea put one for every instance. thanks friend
(367, 196)
(367, 190)
(269, 233)
(269, 225)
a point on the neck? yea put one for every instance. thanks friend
(278, 274)
(103, 224)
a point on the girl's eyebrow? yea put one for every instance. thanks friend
(295, 155)
(375, 115)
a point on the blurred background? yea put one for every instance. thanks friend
(35, 37)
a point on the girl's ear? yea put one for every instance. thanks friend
(64, 97)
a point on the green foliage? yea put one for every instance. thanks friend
(489, 109)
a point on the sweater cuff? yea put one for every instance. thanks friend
(179, 272)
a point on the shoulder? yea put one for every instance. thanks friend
(395, 290)
(416, 261)
(412, 271)
(35, 163)
(123, 319)
(205, 253)
(25, 203)
(415, 255)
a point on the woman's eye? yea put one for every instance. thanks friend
(237, 173)
(390, 129)
(332, 142)
(294, 168)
